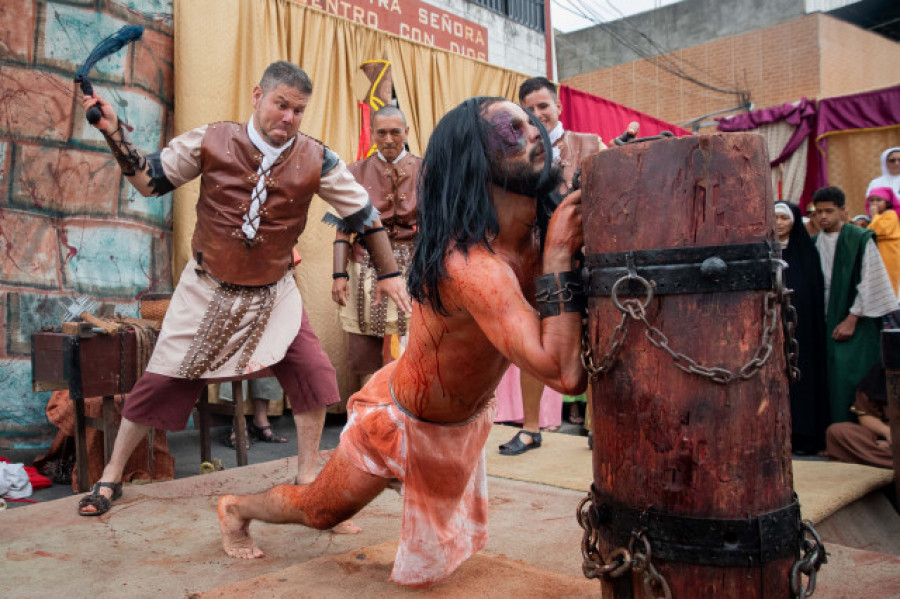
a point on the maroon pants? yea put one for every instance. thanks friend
(305, 374)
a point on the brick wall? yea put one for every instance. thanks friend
(70, 225)
(814, 56)
(855, 60)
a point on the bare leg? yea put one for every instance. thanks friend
(309, 434)
(532, 389)
(260, 412)
(340, 491)
(129, 435)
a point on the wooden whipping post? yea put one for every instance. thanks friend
(692, 491)
(890, 351)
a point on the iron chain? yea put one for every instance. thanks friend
(635, 310)
(620, 560)
(789, 326)
(812, 557)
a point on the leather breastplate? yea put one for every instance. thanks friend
(229, 163)
(392, 190)
(573, 148)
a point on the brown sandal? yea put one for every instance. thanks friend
(264, 433)
(98, 501)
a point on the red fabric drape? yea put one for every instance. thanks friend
(586, 113)
(362, 150)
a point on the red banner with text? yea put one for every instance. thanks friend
(413, 20)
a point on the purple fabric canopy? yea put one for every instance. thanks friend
(802, 115)
(879, 108)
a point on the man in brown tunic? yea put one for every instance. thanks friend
(236, 309)
(390, 176)
(538, 96)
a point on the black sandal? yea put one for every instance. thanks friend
(265, 433)
(231, 442)
(98, 501)
(515, 446)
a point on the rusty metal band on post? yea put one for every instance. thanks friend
(709, 269)
(745, 542)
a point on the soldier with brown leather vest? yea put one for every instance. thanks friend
(538, 96)
(236, 309)
(390, 176)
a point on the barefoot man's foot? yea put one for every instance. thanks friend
(235, 531)
(346, 528)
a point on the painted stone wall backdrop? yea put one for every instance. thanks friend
(70, 225)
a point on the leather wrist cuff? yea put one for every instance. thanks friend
(379, 246)
(389, 275)
(341, 252)
(559, 292)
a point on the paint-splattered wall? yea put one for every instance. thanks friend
(70, 225)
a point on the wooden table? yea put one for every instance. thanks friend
(105, 366)
(96, 366)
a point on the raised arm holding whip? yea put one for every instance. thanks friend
(236, 309)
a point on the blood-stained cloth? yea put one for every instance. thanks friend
(442, 468)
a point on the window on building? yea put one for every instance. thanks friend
(529, 13)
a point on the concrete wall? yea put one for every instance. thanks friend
(70, 225)
(510, 45)
(815, 56)
(672, 27)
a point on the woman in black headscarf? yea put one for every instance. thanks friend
(809, 395)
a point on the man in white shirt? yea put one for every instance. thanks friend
(858, 293)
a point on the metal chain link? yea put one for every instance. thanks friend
(635, 309)
(789, 327)
(716, 374)
(621, 559)
(608, 359)
(812, 557)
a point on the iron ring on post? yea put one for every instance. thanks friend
(613, 292)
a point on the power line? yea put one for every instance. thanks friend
(661, 60)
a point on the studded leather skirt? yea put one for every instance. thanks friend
(360, 315)
(217, 330)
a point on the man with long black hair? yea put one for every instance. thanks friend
(479, 268)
